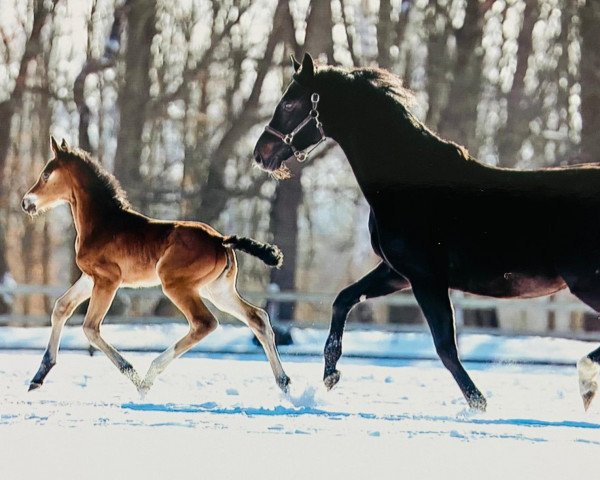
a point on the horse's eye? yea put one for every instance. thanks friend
(45, 176)
(288, 106)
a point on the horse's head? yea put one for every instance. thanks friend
(52, 186)
(295, 128)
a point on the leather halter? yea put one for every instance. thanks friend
(288, 138)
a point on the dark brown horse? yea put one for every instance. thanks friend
(439, 219)
(117, 247)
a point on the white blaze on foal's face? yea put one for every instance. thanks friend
(50, 189)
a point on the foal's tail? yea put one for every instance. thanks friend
(270, 254)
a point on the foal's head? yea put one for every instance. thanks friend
(295, 126)
(69, 172)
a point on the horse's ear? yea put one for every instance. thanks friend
(64, 144)
(308, 67)
(295, 63)
(55, 147)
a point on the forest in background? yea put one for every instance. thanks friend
(171, 97)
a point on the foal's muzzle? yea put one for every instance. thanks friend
(28, 204)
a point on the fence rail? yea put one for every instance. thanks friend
(461, 304)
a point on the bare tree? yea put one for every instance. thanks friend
(516, 128)
(134, 94)
(458, 120)
(214, 192)
(8, 108)
(289, 194)
(590, 81)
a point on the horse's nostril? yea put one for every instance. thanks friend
(28, 205)
(258, 157)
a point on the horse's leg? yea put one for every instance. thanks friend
(201, 322)
(103, 294)
(380, 281)
(224, 295)
(433, 299)
(587, 289)
(63, 309)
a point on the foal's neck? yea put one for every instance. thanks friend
(88, 215)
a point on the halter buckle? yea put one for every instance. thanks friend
(300, 156)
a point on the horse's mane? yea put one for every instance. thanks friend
(380, 87)
(385, 82)
(101, 183)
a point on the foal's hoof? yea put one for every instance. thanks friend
(588, 385)
(284, 384)
(332, 379)
(143, 388)
(34, 386)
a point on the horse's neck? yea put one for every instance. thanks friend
(386, 153)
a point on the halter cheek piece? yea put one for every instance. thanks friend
(288, 139)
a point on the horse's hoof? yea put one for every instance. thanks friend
(332, 379)
(143, 389)
(588, 385)
(478, 403)
(587, 399)
(34, 386)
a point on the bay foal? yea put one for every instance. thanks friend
(116, 247)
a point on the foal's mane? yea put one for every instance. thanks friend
(98, 181)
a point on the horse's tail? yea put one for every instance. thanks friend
(269, 254)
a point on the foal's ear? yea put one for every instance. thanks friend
(64, 145)
(308, 67)
(295, 63)
(55, 147)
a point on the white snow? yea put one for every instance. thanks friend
(310, 341)
(221, 415)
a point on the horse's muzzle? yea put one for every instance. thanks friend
(28, 204)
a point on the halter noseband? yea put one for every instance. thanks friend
(288, 139)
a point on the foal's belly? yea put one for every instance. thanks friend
(139, 275)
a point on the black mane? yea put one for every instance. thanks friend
(375, 86)
(99, 182)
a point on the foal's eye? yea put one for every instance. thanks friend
(45, 176)
(288, 106)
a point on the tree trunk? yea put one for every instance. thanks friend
(458, 120)
(134, 95)
(385, 34)
(319, 25)
(590, 81)
(284, 225)
(289, 194)
(214, 193)
(8, 108)
(510, 138)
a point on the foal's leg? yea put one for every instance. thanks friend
(103, 294)
(63, 309)
(378, 282)
(201, 322)
(433, 299)
(224, 295)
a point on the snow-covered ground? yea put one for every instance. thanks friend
(221, 416)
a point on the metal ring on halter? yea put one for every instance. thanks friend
(300, 156)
